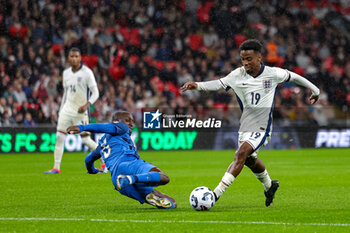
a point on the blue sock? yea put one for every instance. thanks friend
(149, 178)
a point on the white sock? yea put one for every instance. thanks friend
(58, 153)
(264, 178)
(89, 142)
(225, 182)
(101, 161)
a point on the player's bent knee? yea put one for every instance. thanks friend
(164, 179)
(250, 161)
(240, 156)
(243, 153)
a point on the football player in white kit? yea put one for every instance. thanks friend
(255, 86)
(78, 82)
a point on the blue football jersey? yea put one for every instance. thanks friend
(115, 146)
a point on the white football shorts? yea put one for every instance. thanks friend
(66, 120)
(255, 139)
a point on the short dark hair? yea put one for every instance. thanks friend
(251, 44)
(75, 49)
(118, 115)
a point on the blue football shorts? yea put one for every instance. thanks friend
(134, 167)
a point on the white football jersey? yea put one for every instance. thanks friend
(77, 86)
(256, 95)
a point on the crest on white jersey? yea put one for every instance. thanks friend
(267, 84)
(79, 79)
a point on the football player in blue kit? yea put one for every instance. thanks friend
(131, 176)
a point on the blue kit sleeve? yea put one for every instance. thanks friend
(109, 128)
(91, 158)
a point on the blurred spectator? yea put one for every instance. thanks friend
(321, 111)
(70, 36)
(19, 94)
(324, 51)
(167, 74)
(96, 48)
(26, 107)
(51, 87)
(184, 77)
(105, 39)
(10, 93)
(50, 108)
(91, 32)
(163, 53)
(144, 56)
(19, 118)
(211, 37)
(2, 105)
(42, 92)
(320, 12)
(27, 89)
(302, 59)
(7, 121)
(28, 120)
(97, 18)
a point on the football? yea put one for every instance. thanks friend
(202, 198)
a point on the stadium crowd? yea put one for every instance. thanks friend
(141, 52)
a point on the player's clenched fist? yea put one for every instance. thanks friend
(189, 86)
(313, 99)
(73, 129)
(83, 108)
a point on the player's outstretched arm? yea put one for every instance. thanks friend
(189, 86)
(73, 129)
(90, 160)
(306, 83)
(313, 98)
(203, 86)
(109, 128)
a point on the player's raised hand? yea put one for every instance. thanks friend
(313, 98)
(73, 129)
(189, 86)
(83, 108)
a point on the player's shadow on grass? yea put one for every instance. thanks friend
(181, 208)
(138, 209)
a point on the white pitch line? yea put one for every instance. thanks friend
(177, 221)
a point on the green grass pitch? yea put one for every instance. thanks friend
(314, 195)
